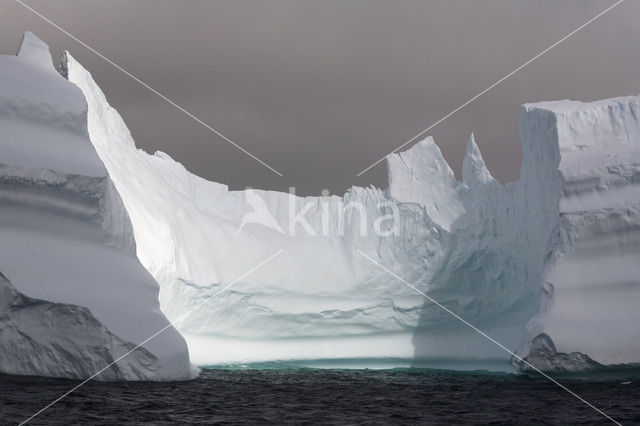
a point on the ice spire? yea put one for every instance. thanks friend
(36, 51)
(474, 170)
(422, 175)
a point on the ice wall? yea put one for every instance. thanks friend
(591, 279)
(73, 295)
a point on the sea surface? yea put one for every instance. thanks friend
(285, 395)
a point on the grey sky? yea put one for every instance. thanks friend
(321, 89)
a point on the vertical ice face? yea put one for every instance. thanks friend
(591, 282)
(71, 283)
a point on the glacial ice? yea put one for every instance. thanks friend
(551, 258)
(73, 295)
(547, 265)
(591, 284)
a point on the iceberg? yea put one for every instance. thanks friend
(547, 265)
(73, 295)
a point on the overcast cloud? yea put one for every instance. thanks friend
(321, 89)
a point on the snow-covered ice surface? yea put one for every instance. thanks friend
(73, 295)
(547, 265)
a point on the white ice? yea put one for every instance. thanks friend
(67, 252)
(547, 265)
(483, 249)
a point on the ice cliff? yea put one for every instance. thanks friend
(547, 265)
(73, 295)
(590, 286)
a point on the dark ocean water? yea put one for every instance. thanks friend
(406, 396)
